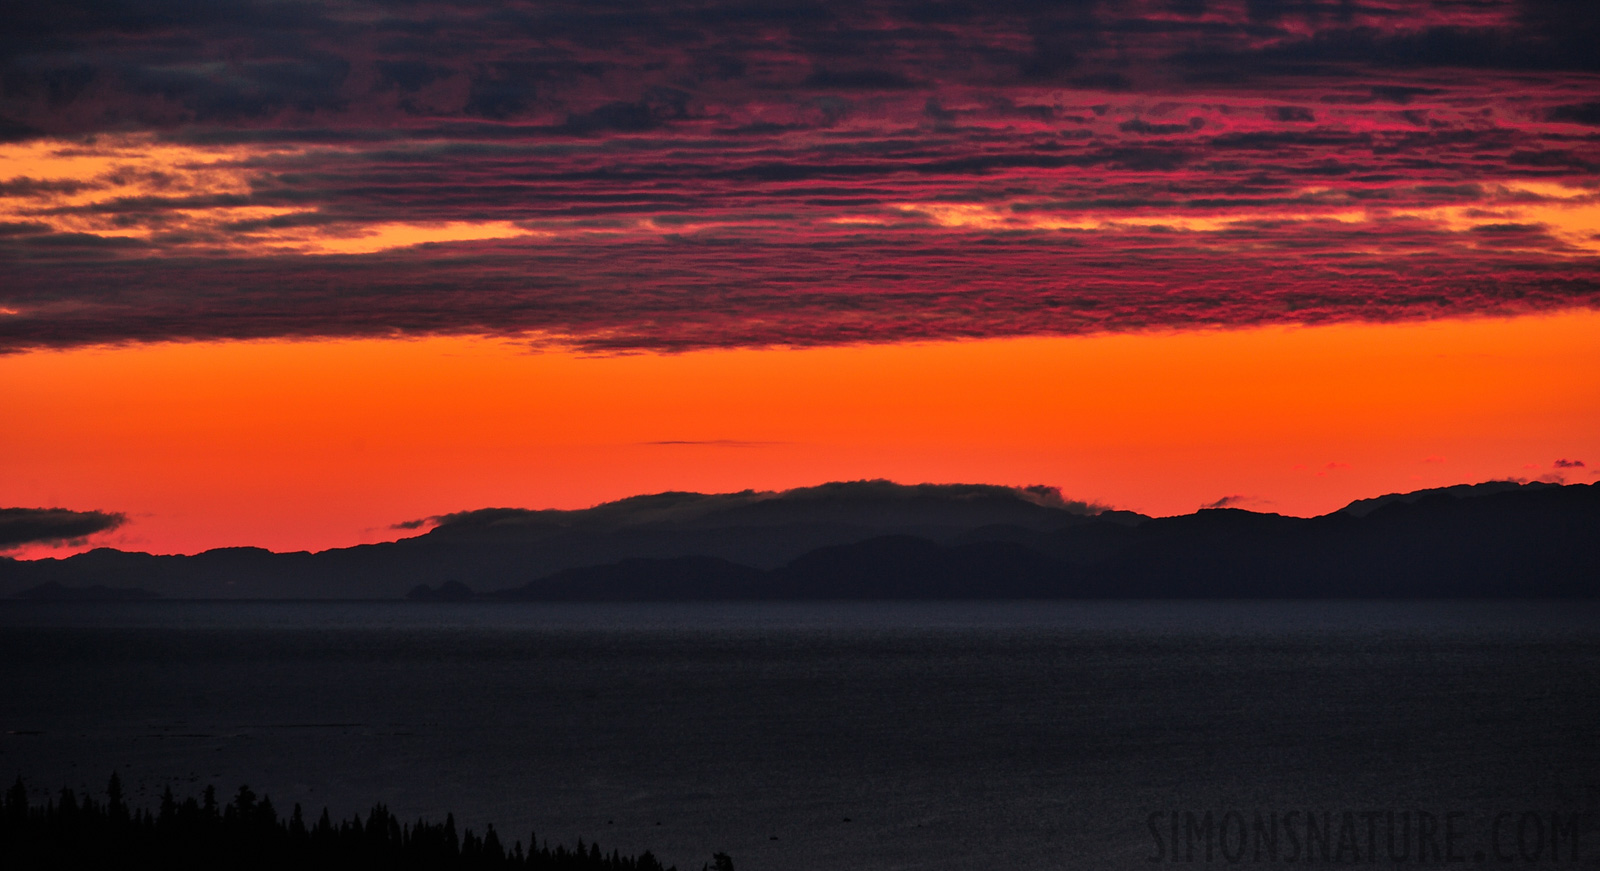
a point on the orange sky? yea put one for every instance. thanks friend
(311, 445)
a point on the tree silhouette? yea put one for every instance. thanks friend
(72, 831)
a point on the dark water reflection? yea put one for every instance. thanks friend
(1025, 735)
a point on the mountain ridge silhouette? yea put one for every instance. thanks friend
(879, 540)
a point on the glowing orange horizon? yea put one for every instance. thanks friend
(312, 445)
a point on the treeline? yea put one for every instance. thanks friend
(72, 831)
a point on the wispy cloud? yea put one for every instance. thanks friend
(712, 443)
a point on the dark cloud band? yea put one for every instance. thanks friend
(20, 526)
(669, 296)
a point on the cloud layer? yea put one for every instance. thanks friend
(674, 176)
(20, 526)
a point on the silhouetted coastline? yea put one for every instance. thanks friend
(874, 540)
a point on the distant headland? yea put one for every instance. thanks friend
(877, 540)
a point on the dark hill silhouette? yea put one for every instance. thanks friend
(449, 591)
(879, 505)
(645, 580)
(54, 592)
(875, 540)
(905, 567)
(500, 548)
(1363, 507)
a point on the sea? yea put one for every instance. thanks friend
(803, 737)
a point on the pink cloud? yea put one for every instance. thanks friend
(751, 177)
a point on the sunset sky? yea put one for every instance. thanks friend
(288, 273)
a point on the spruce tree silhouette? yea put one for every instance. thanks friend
(79, 832)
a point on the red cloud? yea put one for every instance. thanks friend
(748, 176)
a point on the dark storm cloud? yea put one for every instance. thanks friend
(1535, 36)
(1576, 113)
(161, 64)
(1291, 113)
(743, 172)
(19, 526)
(680, 296)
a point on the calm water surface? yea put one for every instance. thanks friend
(833, 736)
